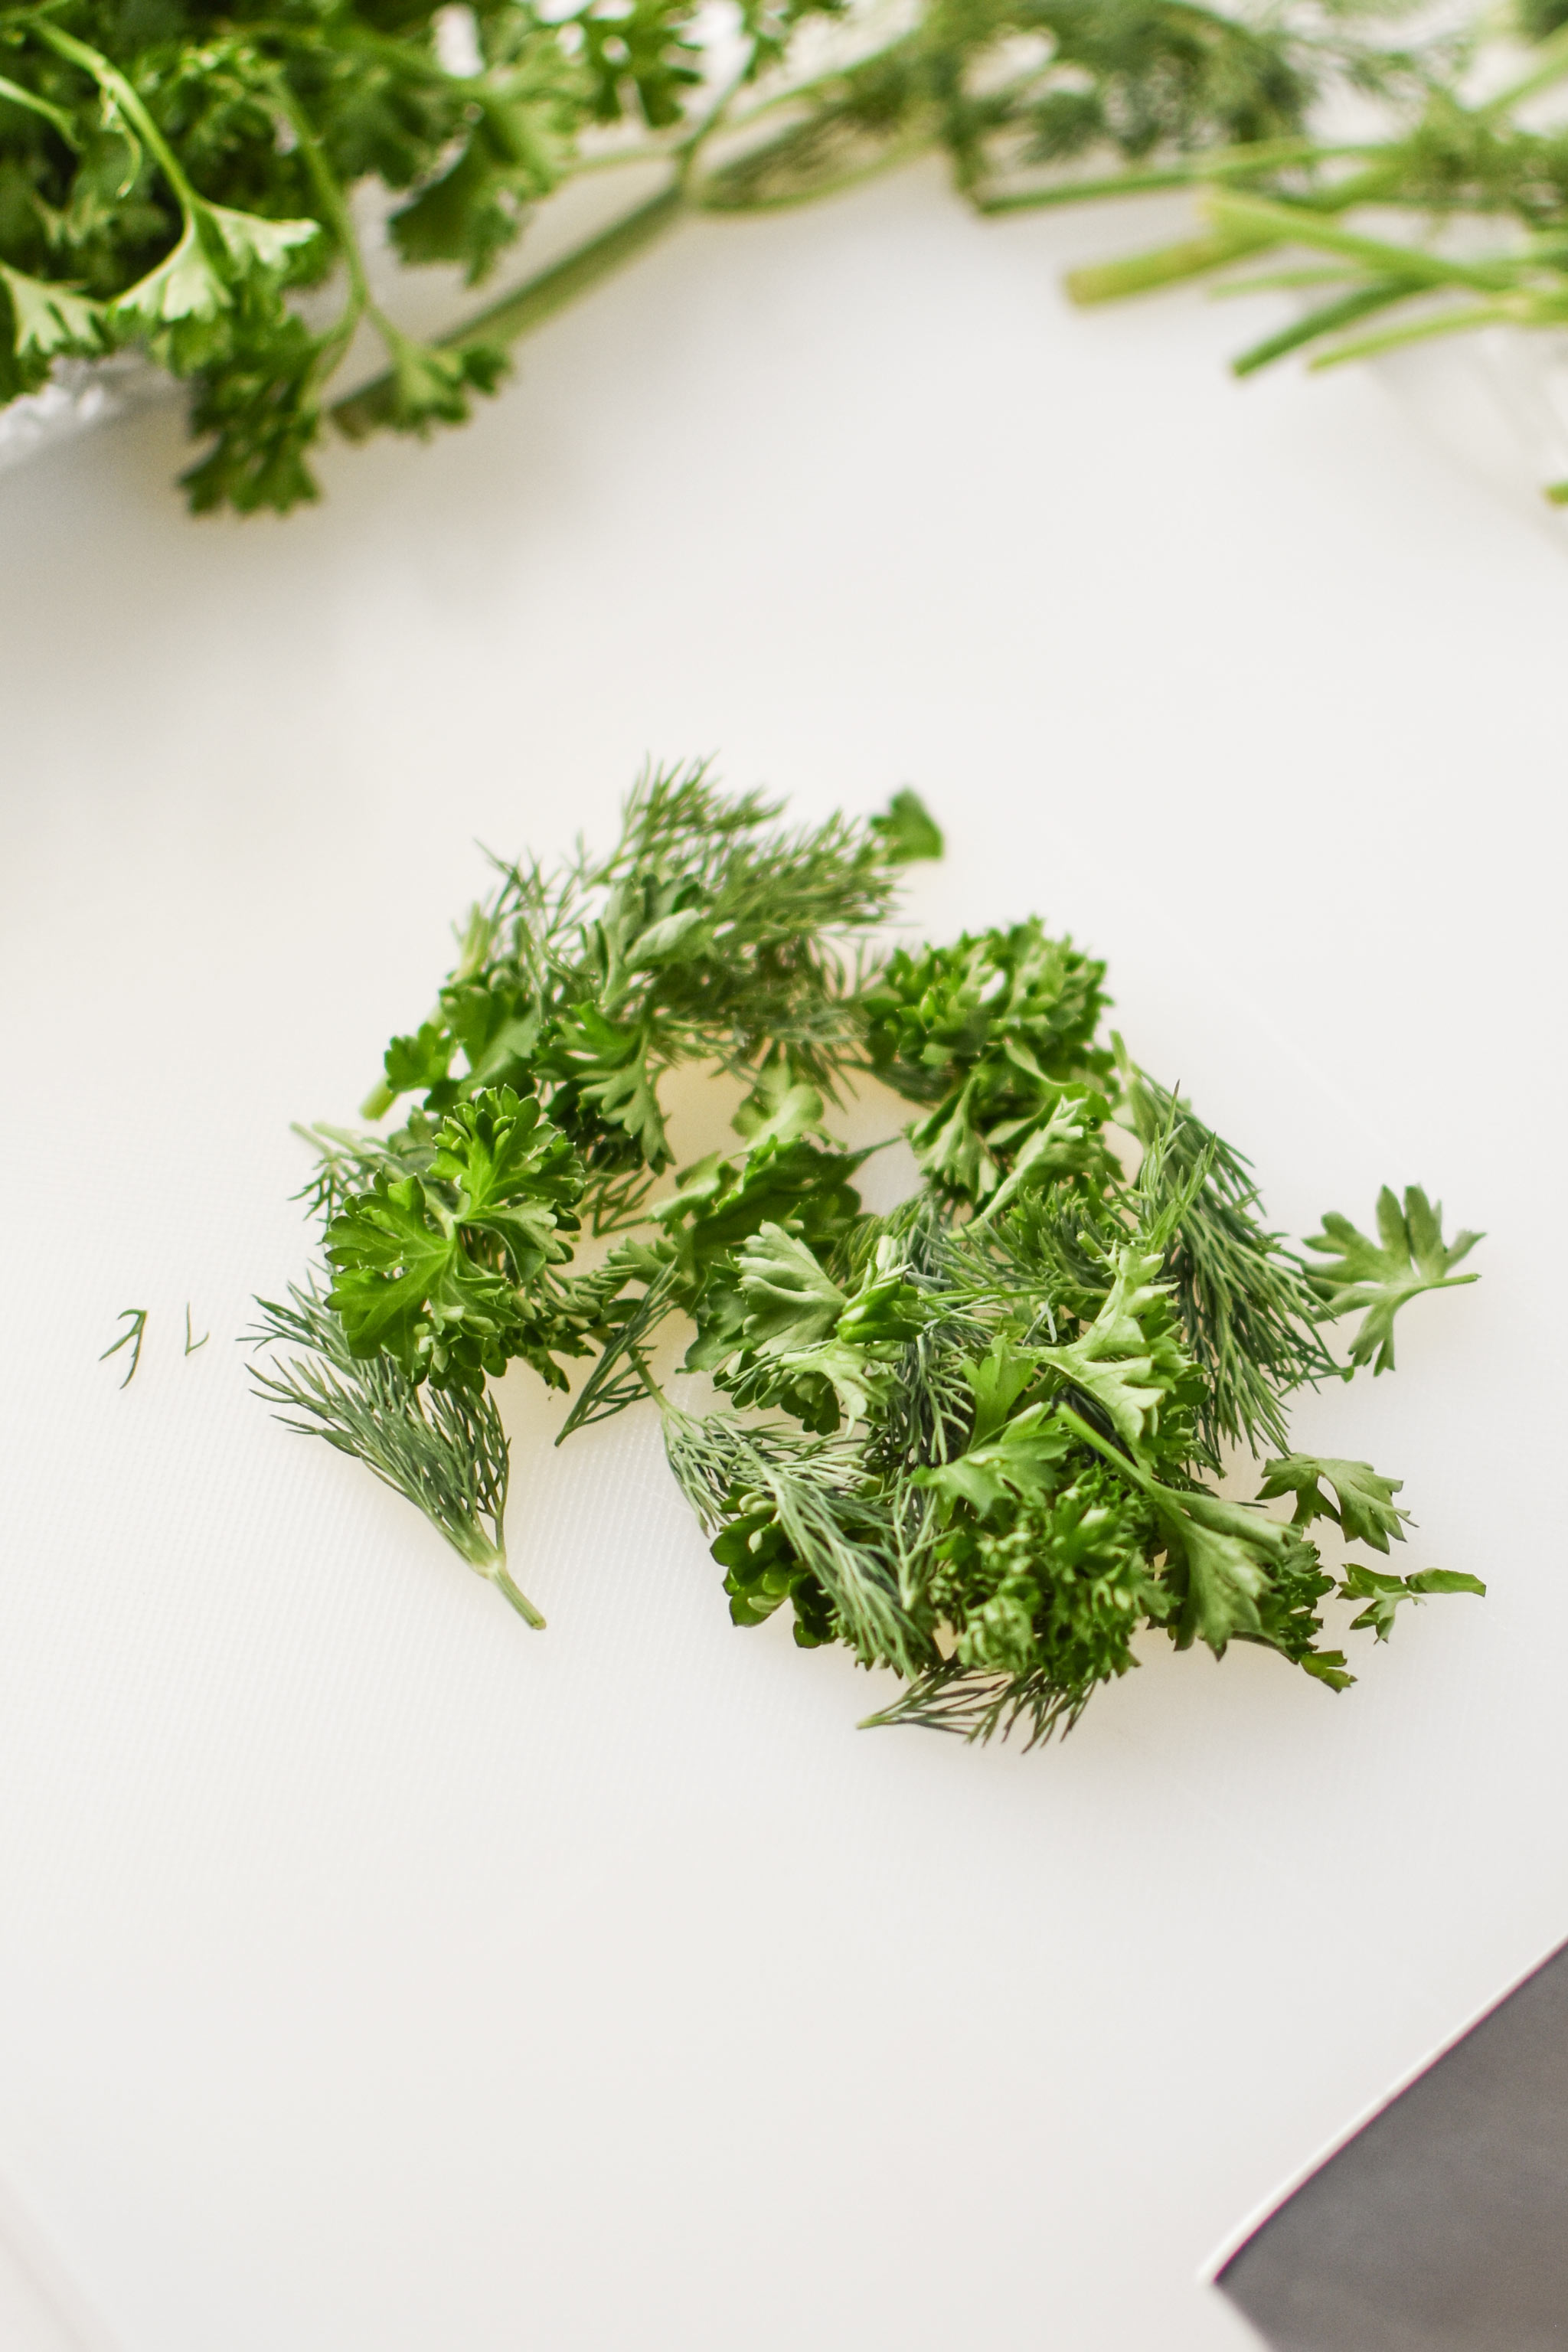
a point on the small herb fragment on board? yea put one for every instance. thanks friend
(978, 1440)
(135, 1320)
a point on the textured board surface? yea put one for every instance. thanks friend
(372, 1972)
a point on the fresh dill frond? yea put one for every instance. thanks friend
(806, 1493)
(977, 1707)
(445, 1451)
(135, 1322)
(1249, 1308)
(707, 934)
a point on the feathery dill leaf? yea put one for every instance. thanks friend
(445, 1452)
(1249, 1309)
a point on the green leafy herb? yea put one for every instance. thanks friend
(977, 1441)
(447, 1270)
(1363, 1502)
(179, 181)
(445, 1451)
(1382, 1593)
(1408, 1257)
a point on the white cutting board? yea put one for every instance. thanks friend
(374, 1972)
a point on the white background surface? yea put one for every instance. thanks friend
(372, 1972)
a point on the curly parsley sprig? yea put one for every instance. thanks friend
(978, 1440)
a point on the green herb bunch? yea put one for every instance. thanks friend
(979, 1440)
(174, 176)
(193, 183)
(1451, 214)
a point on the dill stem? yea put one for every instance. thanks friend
(500, 1576)
(489, 1559)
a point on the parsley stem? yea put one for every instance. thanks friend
(115, 85)
(1236, 232)
(1326, 321)
(530, 305)
(518, 313)
(1264, 155)
(1420, 330)
(330, 197)
(15, 95)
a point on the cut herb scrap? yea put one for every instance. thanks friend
(1383, 1593)
(709, 933)
(990, 1031)
(977, 1441)
(444, 1451)
(838, 1533)
(1408, 1257)
(1249, 1308)
(447, 1270)
(135, 1322)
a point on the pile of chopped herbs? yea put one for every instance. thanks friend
(196, 185)
(979, 1440)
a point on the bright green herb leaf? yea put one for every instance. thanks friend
(1408, 1257)
(1383, 1593)
(1366, 1509)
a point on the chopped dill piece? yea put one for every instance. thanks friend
(135, 1320)
(444, 1450)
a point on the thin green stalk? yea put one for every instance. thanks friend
(1447, 323)
(502, 1578)
(1551, 65)
(1083, 191)
(15, 95)
(1173, 265)
(1266, 155)
(1325, 321)
(1165, 1502)
(1304, 224)
(110, 79)
(1168, 265)
(519, 313)
(330, 195)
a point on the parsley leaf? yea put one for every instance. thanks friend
(436, 1269)
(790, 1302)
(1366, 1509)
(605, 1068)
(1383, 1593)
(1408, 1257)
(908, 829)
